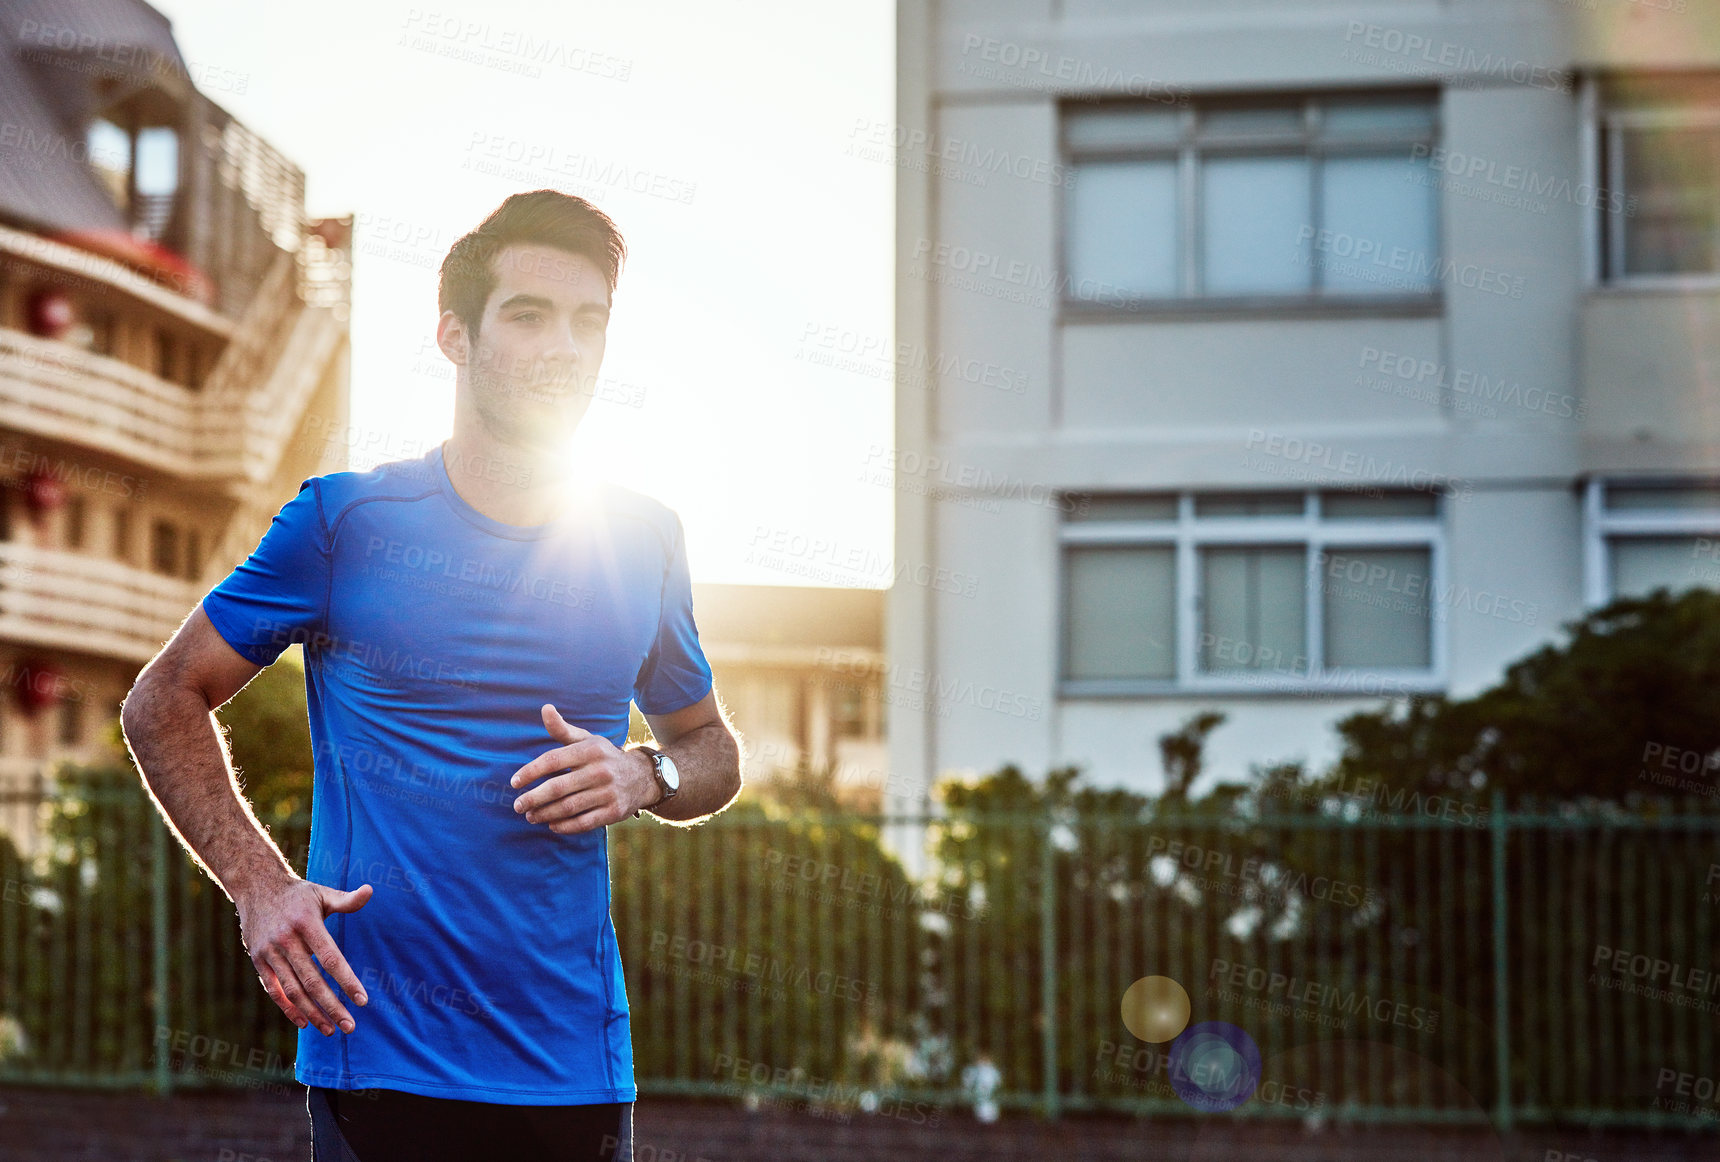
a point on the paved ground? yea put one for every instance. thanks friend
(49, 1125)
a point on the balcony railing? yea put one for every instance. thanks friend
(234, 428)
(56, 390)
(90, 604)
(256, 395)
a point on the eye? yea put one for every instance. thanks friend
(524, 315)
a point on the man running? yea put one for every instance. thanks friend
(455, 609)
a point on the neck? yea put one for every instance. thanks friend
(507, 482)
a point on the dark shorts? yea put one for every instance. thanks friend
(386, 1125)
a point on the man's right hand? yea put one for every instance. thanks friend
(282, 926)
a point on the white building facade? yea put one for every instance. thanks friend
(1284, 355)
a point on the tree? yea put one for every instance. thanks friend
(268, 732)
(1636, 685)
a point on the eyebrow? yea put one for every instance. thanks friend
(529, 300)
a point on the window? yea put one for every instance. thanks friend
(1657, 177)
(1232, 590)
(164, 354)
(92, 328)
(71, 722)
(122, 534)
(193, 555)
(1252, 615)
(1121, 604)
(137, 164)
(74, 526)
(109, 152)
(1648, 533)
(101, 331)
(164, 548)
(848, 713)
(1308, 197)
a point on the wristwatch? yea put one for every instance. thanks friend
(668, 778)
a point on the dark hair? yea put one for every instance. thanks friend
(544, 217)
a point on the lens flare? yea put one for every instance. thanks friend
(1156, 1009)
(1215, 1066)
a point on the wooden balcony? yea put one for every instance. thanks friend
(54, 389)
(58, 391)
(231, 430)
(73, 601)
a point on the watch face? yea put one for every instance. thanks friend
(670, 775)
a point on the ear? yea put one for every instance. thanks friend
(452, 338)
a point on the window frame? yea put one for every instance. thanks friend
(1602, 525)
(1190, 146)
(164, 548)
(132, 117)
(69, 723)
(1187, 533)
(1601, 161)
(75, 523)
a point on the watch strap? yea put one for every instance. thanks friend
(653, 753)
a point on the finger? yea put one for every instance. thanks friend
(565, 784)
(588, 820)
(272, 986)
(328, 955)
(550, 762)
(569, 806)
(317, 987)
(294, 990)
(335, 900)
(559, 727)
(560, 761)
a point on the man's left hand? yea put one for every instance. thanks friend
(597, 784)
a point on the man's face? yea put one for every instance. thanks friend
(532, 367)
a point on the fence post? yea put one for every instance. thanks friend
(158, 924)
(1048, 962)
(1501, 975)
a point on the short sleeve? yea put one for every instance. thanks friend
(675, 674)
(279, 594)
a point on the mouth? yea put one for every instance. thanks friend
(552, 388)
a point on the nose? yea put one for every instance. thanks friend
(564, 344)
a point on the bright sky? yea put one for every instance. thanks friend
(721, 136)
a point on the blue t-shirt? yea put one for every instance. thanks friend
(432, 634)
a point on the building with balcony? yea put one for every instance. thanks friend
(1286, 355)
(171, 328)
(799, 668)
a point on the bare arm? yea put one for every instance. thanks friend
(169, 723)
(170, 727)
(707, 757)
(599, 784)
